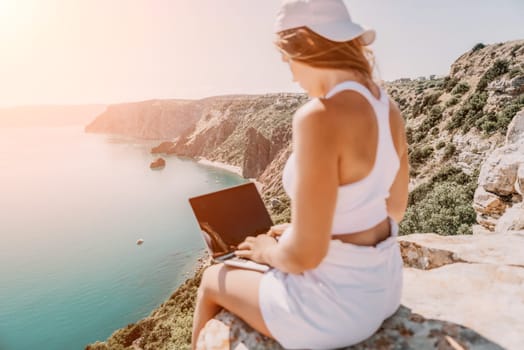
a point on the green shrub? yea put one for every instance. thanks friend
(442, 205)
(427, 101)
(470, 111)
(447, 174)
(440, 144)
(419, 155)
(409, 135)
(452, 101)
(515, 72)
(282, 214)
(419, 135)
(488, 123)
(497, 69)
(413, 172)
(434, 116)
(477, 47)
(446, 210)
(515, 49)
(460, 89)
(507, 114)
(491, 122)
(449, 151)
(449, 83)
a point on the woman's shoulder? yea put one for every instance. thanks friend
(328, 109)
(312, 124)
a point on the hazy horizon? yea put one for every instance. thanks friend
(62, 53)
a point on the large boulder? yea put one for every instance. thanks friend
(512, 87)
(159, 163)
(481, 293)
(488, 203)
(512, 220)
(403, 330)
(459, 292)
(501, 181)
(519, 183)
(499, 172)
(516, 128)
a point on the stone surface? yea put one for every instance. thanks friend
(514, 86)
(485, 293)
(479, 230)
(487, 298)
(488, 203)
(519, 183)
(403, 330)
(425, 258)
(516, 128)
(500, 186)
(502, 249)
(499, 172)
(450, 284)
(488, 222)
(512, 220)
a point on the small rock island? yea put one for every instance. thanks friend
(158, 164)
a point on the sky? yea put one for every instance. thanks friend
(112, 51)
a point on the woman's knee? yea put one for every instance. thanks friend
(209, 284)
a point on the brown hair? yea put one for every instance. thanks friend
(304, 45)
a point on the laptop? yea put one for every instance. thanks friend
(227, 217)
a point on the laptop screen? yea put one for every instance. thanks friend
(228, 216)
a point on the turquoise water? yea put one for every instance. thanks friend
(72, 206)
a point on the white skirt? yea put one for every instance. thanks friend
(341, 302)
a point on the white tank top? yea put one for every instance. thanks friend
(361, 204)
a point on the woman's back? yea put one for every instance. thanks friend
(369, 148)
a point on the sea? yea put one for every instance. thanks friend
(72, 207)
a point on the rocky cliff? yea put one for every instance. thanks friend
(460, 292)
(453, 123)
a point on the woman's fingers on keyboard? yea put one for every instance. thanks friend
(271, 233)
(244, 245)
(277, 230)
(243, 253)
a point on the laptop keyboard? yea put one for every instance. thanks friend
(236, 258)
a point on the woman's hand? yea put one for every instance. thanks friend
(277, 230)
(256, 248)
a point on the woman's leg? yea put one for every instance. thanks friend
(233, 289)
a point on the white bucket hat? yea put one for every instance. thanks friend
(327, 18)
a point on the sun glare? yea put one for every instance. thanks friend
(15, 15)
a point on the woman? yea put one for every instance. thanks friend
(337, 269)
